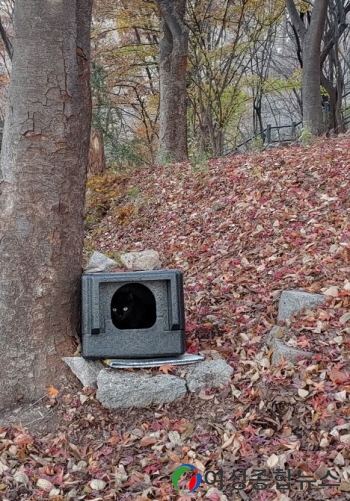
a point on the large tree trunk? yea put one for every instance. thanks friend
(311, 58)
(311, 85)
(172, 73)
(42, 185)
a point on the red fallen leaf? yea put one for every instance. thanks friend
(303, 342)
(104, 451)
(48, 469)
(324, 315)
(180, 425)
(23, 439)
(338, 377)
(53, 473)
(192, 349)
(190, 326)
(214, 496)
(152, 468)
(319, 386)
(252, 203)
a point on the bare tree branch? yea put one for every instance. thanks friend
(6, 40)
(295, 18)
(171, 17)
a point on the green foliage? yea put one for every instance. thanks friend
(223, 36)
(134, 192)
(304, 6)
(101, 192)
(116, 256)
(276, 84)
(125, 43)
(305, 135)
(105, 195)
(199, 161)
(108, 118)
(257, 143)
(164, 157)
(124, 155)
(324, 92)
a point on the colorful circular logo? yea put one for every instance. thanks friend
(194, 481)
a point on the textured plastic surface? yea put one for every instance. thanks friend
(101, 339)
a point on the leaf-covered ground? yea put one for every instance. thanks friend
(242, 229)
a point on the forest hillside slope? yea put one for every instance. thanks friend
(242, 229)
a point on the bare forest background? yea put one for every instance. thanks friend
(243, 72)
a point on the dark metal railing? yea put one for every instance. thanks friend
(267, 133)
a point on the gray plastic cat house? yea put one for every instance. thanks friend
(158, 303)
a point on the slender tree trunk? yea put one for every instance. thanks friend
(42, 185)
(172, 73)
(334, 85)
(258, 126)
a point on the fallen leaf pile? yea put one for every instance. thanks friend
(321, 330)
(242, 229)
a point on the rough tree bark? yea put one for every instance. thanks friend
(311, 48)
(332, 75)
(172, 72)
(42, 186)
(97, 160)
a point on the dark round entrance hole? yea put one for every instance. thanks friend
(133, 306)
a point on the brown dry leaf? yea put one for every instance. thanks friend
(147, 440)
(331, 291)
(113, 440)
(272, 461)
(97, 484)
(344, 486)
(337, 376)
(204, 396)
(52, 392)
(166, 368)
(174, 457)
(344, 318)
(228, 442)
(44, 484)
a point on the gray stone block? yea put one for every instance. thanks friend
(288, 353)
(118, 389)
(101, 339)
(144, 260)
(290, 302)
(210, 374)
(86, 371)
(99, 262)
(294, 301)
